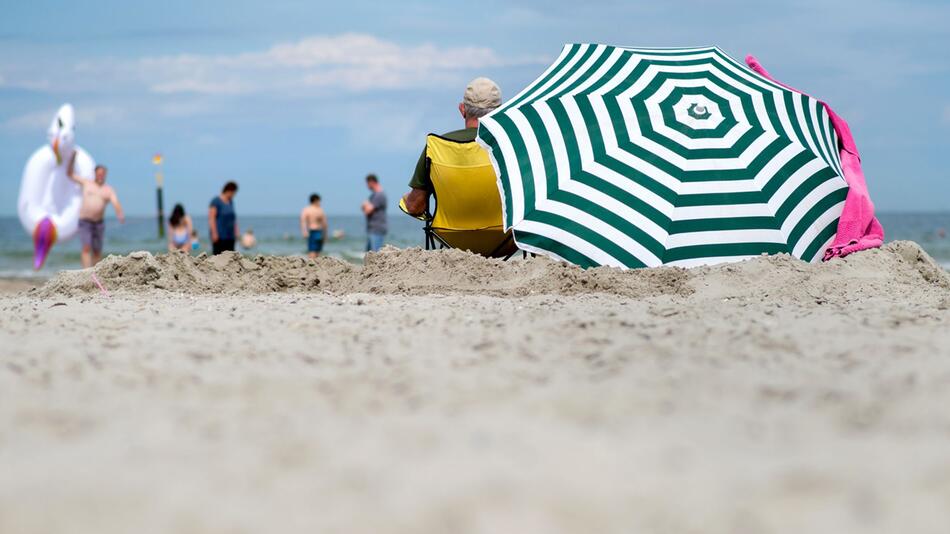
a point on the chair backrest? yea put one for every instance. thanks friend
(465, 186)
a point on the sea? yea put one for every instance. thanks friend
(280, 235)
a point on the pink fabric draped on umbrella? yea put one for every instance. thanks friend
(858, 228)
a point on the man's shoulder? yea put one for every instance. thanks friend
(465, 134)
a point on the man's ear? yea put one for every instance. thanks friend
(462, 109)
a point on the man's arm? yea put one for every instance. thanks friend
(303, 223)
(367, 208)
(69, 171)
(213, 223)
(114, 199)
(416, 201)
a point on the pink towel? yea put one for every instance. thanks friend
(858, 229)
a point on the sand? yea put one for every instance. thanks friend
(9, 286)
(440, 392)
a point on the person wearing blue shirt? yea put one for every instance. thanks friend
(222, 220)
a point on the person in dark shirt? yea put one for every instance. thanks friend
(375, 210)
(222, 220)
(481, 97)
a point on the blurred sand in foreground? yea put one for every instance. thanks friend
(444, 393)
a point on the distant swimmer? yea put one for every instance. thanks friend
(313, 226)
(248, 241)
(96, 195)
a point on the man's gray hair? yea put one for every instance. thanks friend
(472, 112)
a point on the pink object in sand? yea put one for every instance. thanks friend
(858, 228)
(98, 283)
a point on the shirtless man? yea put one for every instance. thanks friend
(313, 226)
(96, 195)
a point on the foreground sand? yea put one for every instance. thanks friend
(10, 286)
(442, 393)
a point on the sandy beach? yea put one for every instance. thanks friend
(441, 392)
(10, 286)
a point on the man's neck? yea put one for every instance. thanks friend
(471, 123)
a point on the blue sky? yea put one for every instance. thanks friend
(290, 97)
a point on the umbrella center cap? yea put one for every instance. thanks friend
(697, 111)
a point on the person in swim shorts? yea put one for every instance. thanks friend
(96, 195)
(313, 226)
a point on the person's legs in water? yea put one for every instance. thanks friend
(98, 239)
(314, 243)
(90, 234)
(97, 242)
(374, 242)
(86, 256)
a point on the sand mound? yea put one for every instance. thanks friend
(417, 272)
(226, 273)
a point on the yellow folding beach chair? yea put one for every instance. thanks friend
(467, 212)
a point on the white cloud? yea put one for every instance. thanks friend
(38, 121)
(34, 120)
(374, 124)
(349, 63)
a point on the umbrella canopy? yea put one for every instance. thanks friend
(634, 157)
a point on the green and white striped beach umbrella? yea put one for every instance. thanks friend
(634, 157)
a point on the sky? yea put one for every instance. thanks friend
(293, 97)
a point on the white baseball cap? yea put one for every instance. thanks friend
(482, 93)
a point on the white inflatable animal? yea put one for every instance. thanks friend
(49, 201)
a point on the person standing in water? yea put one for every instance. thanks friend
(313, 226)
(96, 195)
(222, 220)
(375, 210)
(179, 230)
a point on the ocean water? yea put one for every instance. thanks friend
(281, 235)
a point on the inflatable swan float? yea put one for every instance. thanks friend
(49, 201)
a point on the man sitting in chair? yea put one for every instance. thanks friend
(481, 97)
